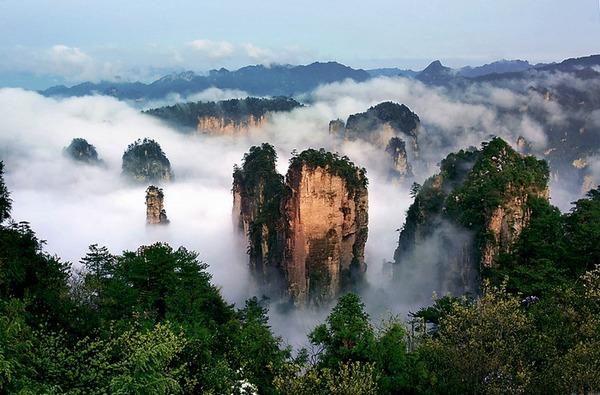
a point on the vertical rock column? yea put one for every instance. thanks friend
(155, 212)
(325, 234)
(305, 238)
(257, 189)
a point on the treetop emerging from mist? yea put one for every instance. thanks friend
(144, 161)
(400, 117)
(82, 151)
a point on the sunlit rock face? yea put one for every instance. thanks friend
(506, 222)
(155, 212)
(326, 226)
(463, 218)
(306, 236)
(226, 126)
(225, 117)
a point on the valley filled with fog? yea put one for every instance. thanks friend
(72, 205)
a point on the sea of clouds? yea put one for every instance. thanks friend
(72, 206)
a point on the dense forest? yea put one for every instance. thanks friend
(150, 321)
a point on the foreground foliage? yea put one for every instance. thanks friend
(150, 321)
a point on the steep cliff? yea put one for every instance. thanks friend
(257, 190)
(223, 125)
(337, 126)
(387, 125)
(401, 168)
(155, 212)
(471, 212)
(326, 226)
(493, 199)
(382, 122)
(305, 237)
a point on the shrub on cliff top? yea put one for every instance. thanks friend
(354, 176)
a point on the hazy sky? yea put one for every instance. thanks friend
(65, 41)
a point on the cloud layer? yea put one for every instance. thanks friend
(72, 206)
(67, 64)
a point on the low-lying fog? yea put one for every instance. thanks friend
(72, 205)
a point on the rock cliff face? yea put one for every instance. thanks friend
(336, 126)
(220, 126)
(325, 232)
(305, 237)
(387, 125)
(400, 169)
(505, 222)
(82, 151)
(464, 217)
(385, 120)
(223, 117)
(155, 212)
(257, 190)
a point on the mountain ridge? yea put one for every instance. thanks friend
(289, 80)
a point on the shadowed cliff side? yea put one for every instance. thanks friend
(385, 125)
(145, 161)
(257, 191)
(463, 218)
(81, 151)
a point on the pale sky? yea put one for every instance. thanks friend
(44, 42)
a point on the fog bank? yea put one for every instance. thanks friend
(72, 205)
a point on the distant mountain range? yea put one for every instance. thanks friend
(287, 80)
(276, 80)
(437, 74)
